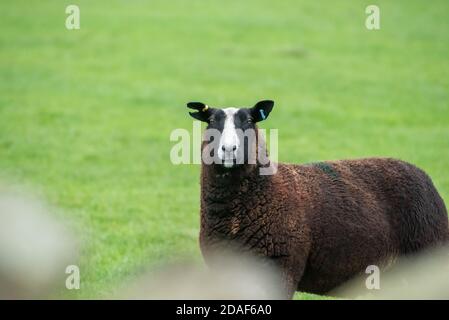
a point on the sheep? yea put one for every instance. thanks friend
(321, 223)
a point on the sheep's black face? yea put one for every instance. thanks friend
(231, 132)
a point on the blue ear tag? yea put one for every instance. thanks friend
(262, 114)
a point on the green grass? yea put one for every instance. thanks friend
(85, 115)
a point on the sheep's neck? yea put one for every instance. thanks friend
(230, 205)
(228, 193)
(221, 186)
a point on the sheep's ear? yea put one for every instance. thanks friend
(203, 113)
(261, 110)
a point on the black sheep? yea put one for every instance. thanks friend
(320, 223)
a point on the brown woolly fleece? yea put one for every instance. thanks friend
(322, 223)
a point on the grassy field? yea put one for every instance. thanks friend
(85, 115)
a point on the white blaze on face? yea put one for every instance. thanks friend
(229, 141)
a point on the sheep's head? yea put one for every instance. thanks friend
(231, 136)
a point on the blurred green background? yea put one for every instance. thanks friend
(85, 115)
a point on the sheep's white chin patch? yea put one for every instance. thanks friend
(228, 163)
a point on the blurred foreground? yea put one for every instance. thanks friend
(36, 248)
(232, 277)
(424, 276)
